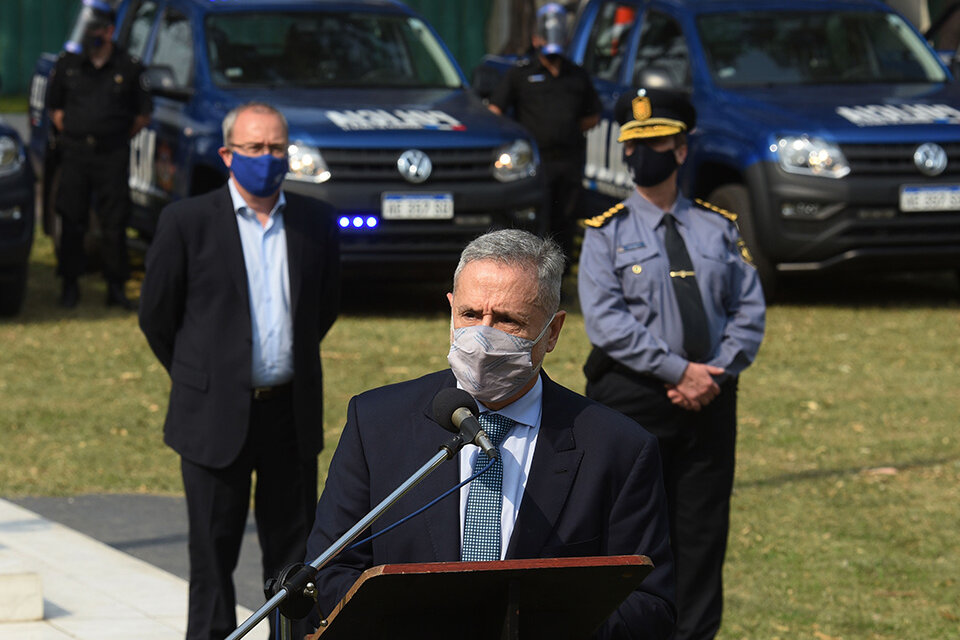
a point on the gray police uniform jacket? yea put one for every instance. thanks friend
(627, 296)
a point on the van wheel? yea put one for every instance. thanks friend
(736, 198)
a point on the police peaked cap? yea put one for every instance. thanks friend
(653, 113)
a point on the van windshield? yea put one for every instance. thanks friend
(764, 48)
(299, 49)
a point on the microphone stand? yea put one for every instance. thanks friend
(296, 582)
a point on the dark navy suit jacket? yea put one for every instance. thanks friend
(195, 313)
(595, 488)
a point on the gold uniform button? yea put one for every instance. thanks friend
(637, 268)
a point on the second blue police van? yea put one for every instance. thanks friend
(830, 127)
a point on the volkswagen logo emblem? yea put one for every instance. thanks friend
(414, 166)
(930, 159)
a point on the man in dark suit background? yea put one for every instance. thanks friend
(241, 286)
(577, 478)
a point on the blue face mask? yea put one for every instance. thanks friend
(260, 175)
(92, 42)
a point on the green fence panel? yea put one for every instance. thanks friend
(462, 25)
(31, 27)
(27, 29)
(9, 45)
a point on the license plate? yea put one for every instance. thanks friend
(417, 206)
(939, 198)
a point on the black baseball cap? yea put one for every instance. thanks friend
(101, 14)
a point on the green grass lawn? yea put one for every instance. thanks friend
(846, 512)
(14, 104)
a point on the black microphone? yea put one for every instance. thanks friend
(456, 411)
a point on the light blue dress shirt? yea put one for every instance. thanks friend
(516, 451)
(268, 283)
(629, 305)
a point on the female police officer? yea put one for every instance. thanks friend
(675, 312)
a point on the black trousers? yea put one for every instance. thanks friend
(563, 185)
(698, 453)
(218, 500)
(90, 177)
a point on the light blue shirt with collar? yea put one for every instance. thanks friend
(516, 450)
(268, 283)
(629, 303)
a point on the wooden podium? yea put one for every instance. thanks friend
(562, 598)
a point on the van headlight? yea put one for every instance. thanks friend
(11, 156)
(306, 164)
(514, 161)
(811, 156)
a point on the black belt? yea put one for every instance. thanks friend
(96, 143)
(599, 363)
(271, 393)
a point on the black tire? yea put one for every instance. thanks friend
(13, 290)
(736, 198)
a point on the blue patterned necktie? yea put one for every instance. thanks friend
(481, 524)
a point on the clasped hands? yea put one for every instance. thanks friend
(696, 388)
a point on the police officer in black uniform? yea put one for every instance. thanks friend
(97, 103)
(554, 99)
(674, 309)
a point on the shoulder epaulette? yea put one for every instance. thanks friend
(729, 215)
(603, 218)
(732, 217)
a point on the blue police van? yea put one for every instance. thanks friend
(382, 123)
(830, 127)
(16, 219)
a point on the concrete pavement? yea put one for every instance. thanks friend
(151, 528)
(90, 591)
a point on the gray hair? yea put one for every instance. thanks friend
(515, 247)
(257, 107)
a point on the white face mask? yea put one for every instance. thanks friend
(492, 365)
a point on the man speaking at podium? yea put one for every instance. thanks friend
(576, 479)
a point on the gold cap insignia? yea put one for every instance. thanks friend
(118, 78)
(641, 108)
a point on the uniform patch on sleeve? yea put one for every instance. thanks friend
(745, 252)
